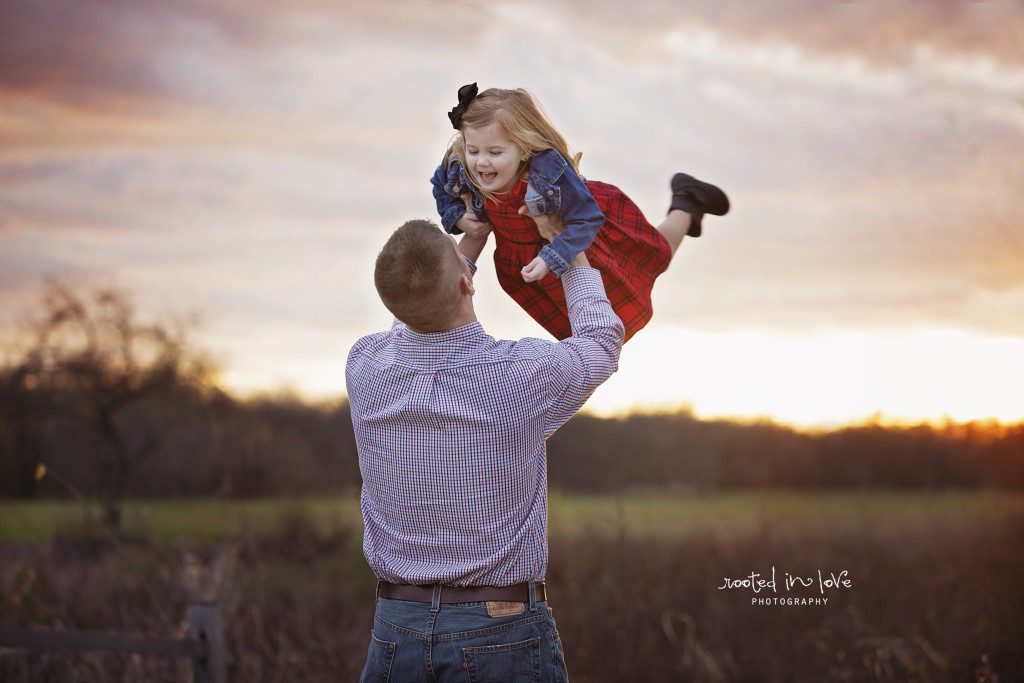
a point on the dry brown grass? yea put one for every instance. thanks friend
(936, 605)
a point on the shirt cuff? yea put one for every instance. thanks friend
(556, 263)
(581, 282)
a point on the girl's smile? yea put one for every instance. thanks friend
(493, 159)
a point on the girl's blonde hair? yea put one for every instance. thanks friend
(519, 118)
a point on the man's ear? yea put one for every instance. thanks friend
(466, 285)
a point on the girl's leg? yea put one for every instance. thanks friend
(674, 228)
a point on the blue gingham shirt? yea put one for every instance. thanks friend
(451, 430)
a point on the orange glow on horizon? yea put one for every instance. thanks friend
(809, 383)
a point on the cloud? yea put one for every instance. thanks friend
(149, 54)
(887, 33)
(80, 52)
(146, 55)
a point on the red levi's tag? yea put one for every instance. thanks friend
(505, 609)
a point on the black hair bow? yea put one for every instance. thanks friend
(466, 95)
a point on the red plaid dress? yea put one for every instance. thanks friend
(629, 252)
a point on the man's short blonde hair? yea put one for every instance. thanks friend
(417, 276)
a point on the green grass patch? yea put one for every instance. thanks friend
(781, 514)
(727, 515)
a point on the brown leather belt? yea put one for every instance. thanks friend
(456, 594)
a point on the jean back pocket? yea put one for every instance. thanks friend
(507, 662)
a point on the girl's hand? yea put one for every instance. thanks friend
(535, 270)
(469, 223)
(549, 225)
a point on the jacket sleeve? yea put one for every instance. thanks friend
(449, 207)
(582, 216)
(581, 363)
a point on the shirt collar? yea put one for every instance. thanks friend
(436, 348)
(454, 335)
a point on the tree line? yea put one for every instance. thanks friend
(100, 405)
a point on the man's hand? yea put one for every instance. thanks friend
(535, 270)
(469, 223)
(549, 225)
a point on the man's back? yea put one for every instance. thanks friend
(451, 430)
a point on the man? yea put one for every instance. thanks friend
(451, 425)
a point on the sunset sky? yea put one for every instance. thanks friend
(247, 160)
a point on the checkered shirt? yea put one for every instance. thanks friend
(451, 430)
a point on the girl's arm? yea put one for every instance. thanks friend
(450, 207)
(450, 188)
(582, 216)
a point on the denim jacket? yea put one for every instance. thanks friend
(553, 187)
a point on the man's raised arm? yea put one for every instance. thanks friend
(581, 363)
(471, 247)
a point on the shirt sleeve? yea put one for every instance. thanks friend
(580, 364)
(582, 216)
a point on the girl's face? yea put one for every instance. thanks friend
(491, 158)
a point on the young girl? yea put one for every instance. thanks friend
(508, 162)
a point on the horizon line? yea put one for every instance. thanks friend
(876, 419)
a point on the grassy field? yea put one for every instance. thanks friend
(634, 584)
(779, 515)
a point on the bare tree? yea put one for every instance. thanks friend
(22, 414)
(96, 359)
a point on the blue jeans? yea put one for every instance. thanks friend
(419, 641)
